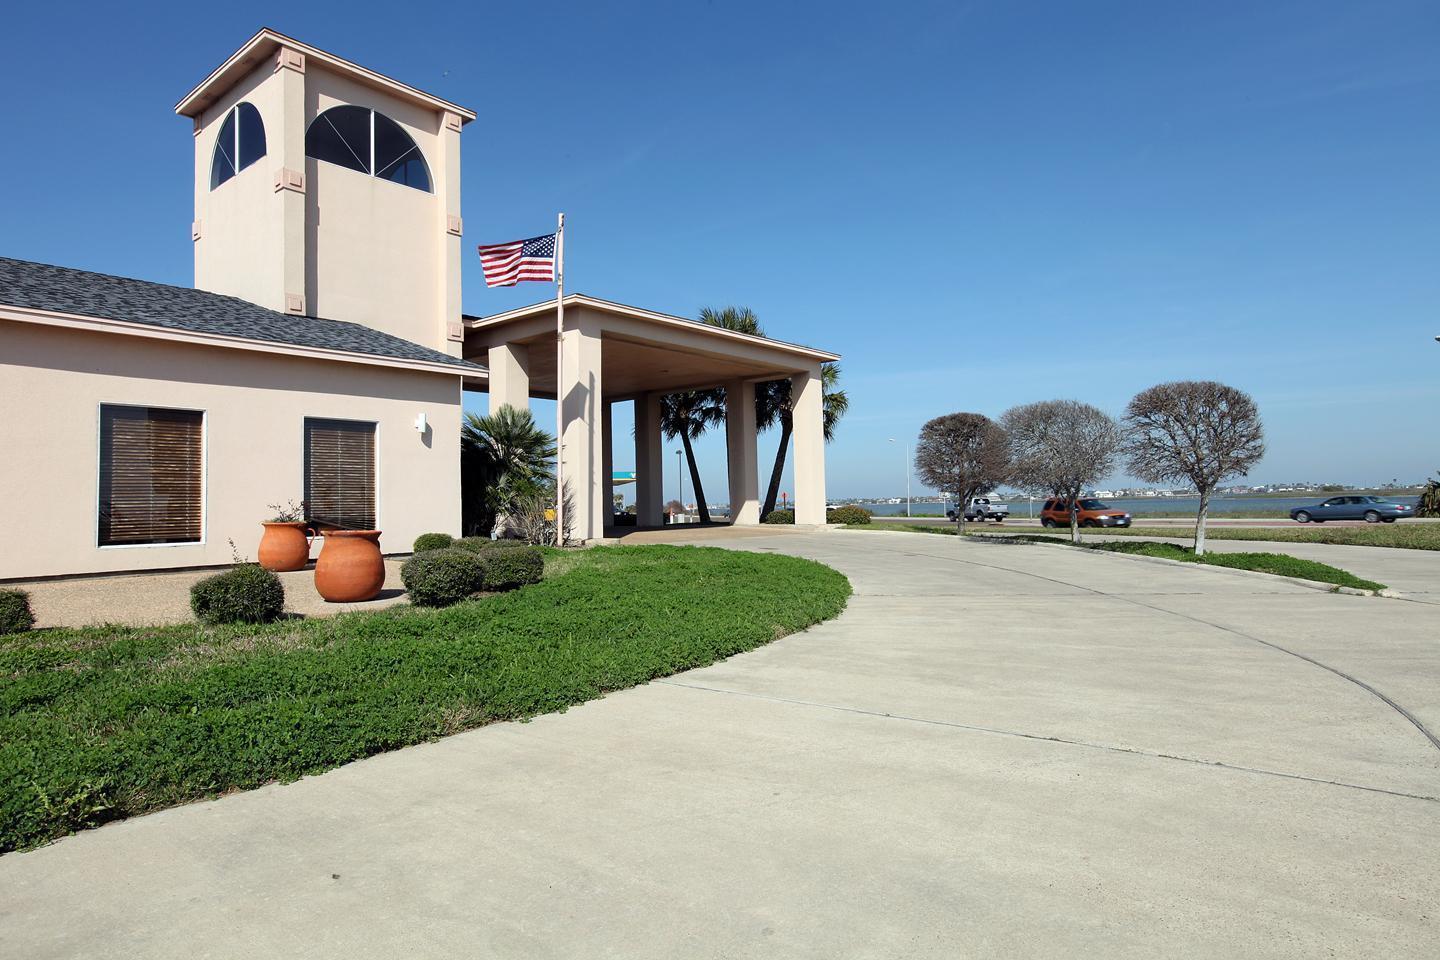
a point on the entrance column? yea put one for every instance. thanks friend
(509, 376)
(649, 465)
(809, 420)
(607, 465)
(744, 464)
(578, 390)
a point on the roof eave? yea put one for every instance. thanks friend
(266, 41)
(74, 321)
(583, 300)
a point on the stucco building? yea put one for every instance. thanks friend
(322, 354)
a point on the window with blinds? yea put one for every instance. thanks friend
(340, 473)
(151, 475)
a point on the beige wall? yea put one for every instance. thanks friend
(355, 247)
(240, 251)
(52, 381)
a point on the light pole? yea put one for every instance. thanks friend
(680, 476)
(907, 477)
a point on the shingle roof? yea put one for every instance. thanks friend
(41, 286)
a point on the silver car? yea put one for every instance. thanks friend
(1369, 509)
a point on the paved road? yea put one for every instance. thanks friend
(997, 751)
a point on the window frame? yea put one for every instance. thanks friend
(204, 476)
(234, 156)
(305, 457)
(370, 159)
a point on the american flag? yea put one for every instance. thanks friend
(506, 264)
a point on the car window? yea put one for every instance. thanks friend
(1333, 502)
(1093, 505)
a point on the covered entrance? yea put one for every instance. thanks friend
(616, 353)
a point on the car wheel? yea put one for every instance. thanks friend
(1371, 516)
(1302, 517)
(1088, 523)
(1046, 522)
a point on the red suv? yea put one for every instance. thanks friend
(1093, 513)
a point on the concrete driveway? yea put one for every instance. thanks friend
(997, 751)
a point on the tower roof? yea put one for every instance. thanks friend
(264, 46)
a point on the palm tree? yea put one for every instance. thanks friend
(774, 404)
(687, 415)
(502, 456)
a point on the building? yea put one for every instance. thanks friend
(322, 354)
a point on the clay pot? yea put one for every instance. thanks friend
(285, 546)
(350, 568)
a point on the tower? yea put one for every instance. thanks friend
(326, 189)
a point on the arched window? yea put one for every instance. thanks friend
(241, 143)
(358, 138)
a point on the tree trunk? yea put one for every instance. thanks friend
(1200, 523)
(770, 495)
(1075, 518)
(695, 480)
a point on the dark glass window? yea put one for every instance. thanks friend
(342, 136)
(397, 158)
(222, 166)
(252, 135)
(241, 142)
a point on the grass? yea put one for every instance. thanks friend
(110, 722)
(1278, 563)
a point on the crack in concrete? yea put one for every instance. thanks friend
(1020, 734)
(1383, 698)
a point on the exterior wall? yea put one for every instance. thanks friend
(240, 250)
(53, 380)
(378, 249)
(334, 243)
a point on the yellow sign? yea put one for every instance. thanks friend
(550, 514)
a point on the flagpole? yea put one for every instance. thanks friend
(559, 381)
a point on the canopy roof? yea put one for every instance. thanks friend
(642, 351)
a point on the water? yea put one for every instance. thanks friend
(1145, 506)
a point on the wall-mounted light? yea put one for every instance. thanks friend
(420, 425)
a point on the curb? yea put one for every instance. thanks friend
(1297, 581)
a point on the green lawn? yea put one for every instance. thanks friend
(108, 722)
(1280, 563)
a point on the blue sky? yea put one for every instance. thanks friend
(976, 204)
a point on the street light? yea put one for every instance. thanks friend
(907, 477)
(680, 476)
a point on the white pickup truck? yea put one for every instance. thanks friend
(983, 508)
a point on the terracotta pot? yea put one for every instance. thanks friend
(285, 546)
(350, 568)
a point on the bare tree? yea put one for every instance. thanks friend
(966, 453)
(1060, 447)
(1195, 430)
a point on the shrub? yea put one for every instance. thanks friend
(508, 569)
(245, 594)
(477, 544)
(438, 578)
(849, 514)
(780, 516)
(15, 615)
(432, 541)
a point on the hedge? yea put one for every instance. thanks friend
(432, 541)
(15, 613)
(245, 594)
